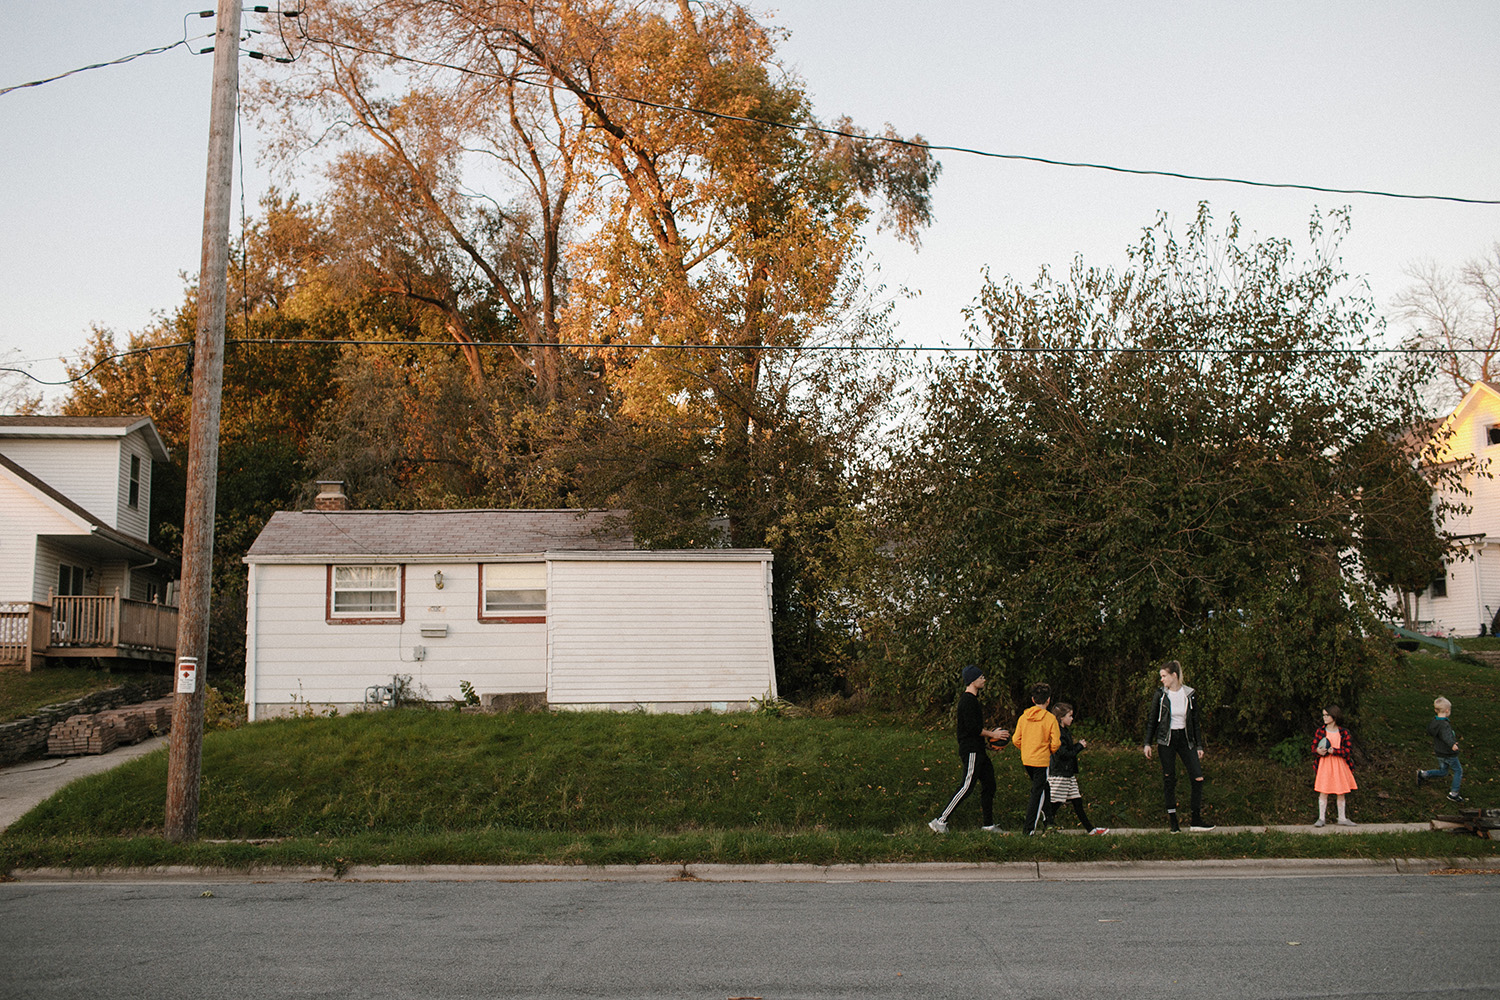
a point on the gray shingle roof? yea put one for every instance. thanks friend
(30, 421)
(30, 426)
(439, 532)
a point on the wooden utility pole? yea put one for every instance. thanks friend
(185, 763)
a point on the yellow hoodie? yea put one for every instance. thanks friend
(1036, 735)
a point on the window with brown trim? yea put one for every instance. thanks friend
(513, 593)
(366, 595)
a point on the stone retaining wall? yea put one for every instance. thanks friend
(26, 739)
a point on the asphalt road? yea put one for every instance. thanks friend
(1378, 936)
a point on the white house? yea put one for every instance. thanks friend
(78, 577)
(1467, 594)
(556, 604)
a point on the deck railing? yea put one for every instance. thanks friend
(100, 622)
(24, 627)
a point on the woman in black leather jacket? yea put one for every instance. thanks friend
(1172, 725)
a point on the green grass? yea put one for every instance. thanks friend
(21, 693)
(440, 787)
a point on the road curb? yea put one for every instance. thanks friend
(1006, 871)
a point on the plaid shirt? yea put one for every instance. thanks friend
(1342, 750)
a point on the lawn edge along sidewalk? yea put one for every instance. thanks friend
(1009, 871)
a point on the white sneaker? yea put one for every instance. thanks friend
(1321, 822)
(992, 828)
(1098, 831)
(938, 826)
(1345, 821)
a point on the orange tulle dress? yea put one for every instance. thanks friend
(1334, 776)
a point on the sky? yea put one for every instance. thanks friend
(102, 173)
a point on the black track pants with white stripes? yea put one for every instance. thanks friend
(977, 767)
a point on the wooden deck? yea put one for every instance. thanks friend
(101, 627)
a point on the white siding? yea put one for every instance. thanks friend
(23, 574)
(659, 632)
(295, 655)
(49, 554)
(1473, 583)
(134, 521)
(1473, 593)
(85, 471)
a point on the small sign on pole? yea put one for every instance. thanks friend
(187, 674)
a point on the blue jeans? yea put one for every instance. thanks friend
(1448, 765)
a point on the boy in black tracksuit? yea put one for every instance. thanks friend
(972, 754)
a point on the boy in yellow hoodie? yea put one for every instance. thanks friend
(1037, 735)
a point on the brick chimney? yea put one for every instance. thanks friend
(331, 495)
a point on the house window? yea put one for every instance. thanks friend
(1439, 586)
(365, 595)
(135, 482)
(513, 592)
(69, 581)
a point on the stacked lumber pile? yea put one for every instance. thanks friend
(101, 732)
(1480, 822)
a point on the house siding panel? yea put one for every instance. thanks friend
(298, 656)
(25, 518)
(1473, 582)
(134, 521)
(86, 472)
(49, 555)
(659, 632)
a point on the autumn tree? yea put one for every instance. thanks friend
(272, 395)
(648, 198)
(454, 169)
(1456, 315)
(17, 393)
(1193, 458)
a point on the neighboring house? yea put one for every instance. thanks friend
(557, 605)
(78, 577)
(1467, 594)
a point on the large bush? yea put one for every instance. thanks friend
(1184, 459)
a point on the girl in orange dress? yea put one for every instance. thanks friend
(1332, 744)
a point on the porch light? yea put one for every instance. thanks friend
(437, 579)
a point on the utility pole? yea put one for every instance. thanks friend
(185, 763)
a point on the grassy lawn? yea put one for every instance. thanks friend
(21, 694)
(439, 787)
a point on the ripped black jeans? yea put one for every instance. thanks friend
(1169, 753)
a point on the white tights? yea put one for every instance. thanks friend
(1323, 806)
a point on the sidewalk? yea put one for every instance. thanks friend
(26, 785)
(1331, 828)
(979, 871)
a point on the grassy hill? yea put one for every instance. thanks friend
(22, 692)
(440, 787)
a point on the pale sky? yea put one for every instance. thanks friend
(102, 173)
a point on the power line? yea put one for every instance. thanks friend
(893, 140)
(184, 41)
(788, 126)
(976, 350)
(84, 69)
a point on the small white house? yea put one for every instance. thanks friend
(78, 577)
(551, 603)
(1466, 595)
